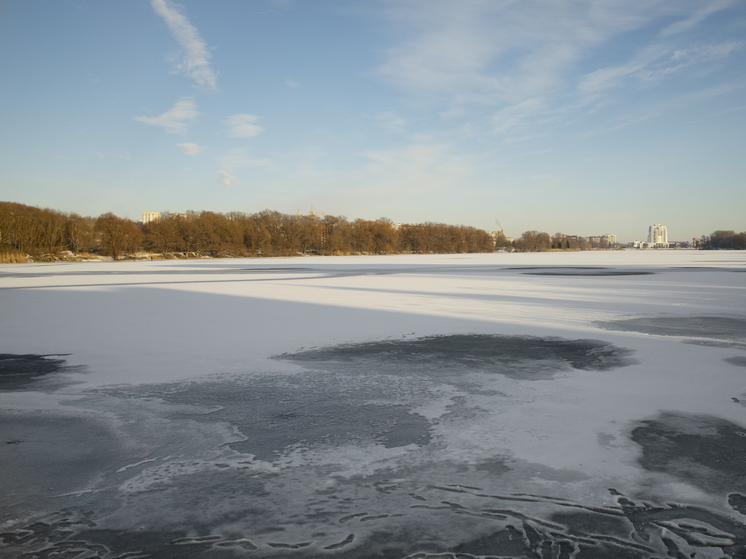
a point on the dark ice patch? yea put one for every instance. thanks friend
(738, 361)
(681, 528)
(717, 343)
(585, 271)
(508, 543)
(530, 268)
(628, 530)
(519, 357)
(737, 502)
(273, 415)
(634, 531)
(496, 466)
(589, 523)
(20, 371)
(702, 450)
(73, 536)
(699, 326)
(53, 454)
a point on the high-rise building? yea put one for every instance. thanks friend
(658, 236)
(147, 217)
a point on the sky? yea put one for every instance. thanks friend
(584, 117)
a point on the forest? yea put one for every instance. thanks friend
(719, 240)
(45, 234)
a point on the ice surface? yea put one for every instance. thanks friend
(505, 405)
(722, 327)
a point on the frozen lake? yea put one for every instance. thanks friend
(580, 405)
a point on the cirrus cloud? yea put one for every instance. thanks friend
(509, 55)
(196, 61)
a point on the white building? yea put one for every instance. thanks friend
(147, 217)
(658, 236)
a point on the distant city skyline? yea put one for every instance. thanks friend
(585, 118)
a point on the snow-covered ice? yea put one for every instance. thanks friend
(508, 405)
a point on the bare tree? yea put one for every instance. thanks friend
(116, 235)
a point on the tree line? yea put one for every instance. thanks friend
(44, 233)
(723, 240)
(539, 241)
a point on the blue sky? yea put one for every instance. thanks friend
(580, 116)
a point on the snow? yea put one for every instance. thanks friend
(253, 404)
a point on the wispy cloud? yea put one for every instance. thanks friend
(707, 9)
(509, 55)
(489, 52)
(714, 91)
(190, 148)
(226, 178)
(238, 159)
(196, 60)
(175, 119)
(606, 78)
(653, 64)
(292, 83)
(516, 115)
(243, 126)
